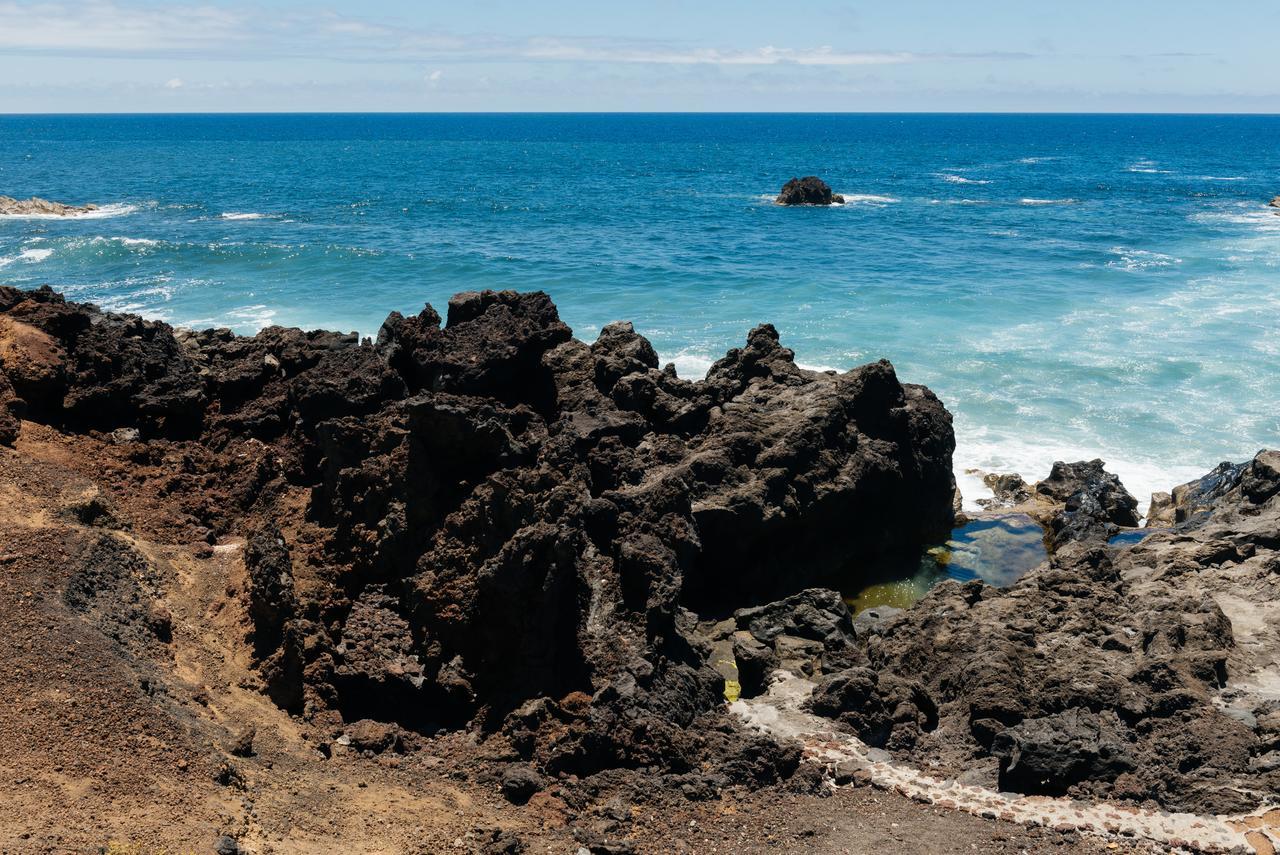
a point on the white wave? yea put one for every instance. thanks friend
(960, 179)
(691, 363)
(868, 199)
(1047, 201)
(28, 256)
(138, 241)
(1140, 259)
(233, 215)
(101, 213)
(959, 202)
(1035, 159)
(1148, 167)
(257, 316)
(1033, 458)
(1222, 178)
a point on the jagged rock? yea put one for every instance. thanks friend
(510, 515)
(808, 633)
(271, 596)
(1008, 490)
(11, 409)
(1194, 497)
(242, 746)
(96, 370)
(809, 190)
(881, 709)
(1047, 755)
(35, 205)
(1098, 668)
(1094, 504)
(1275, 203)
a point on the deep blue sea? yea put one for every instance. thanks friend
(1072, 286)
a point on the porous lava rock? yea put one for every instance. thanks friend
(1134, 671)
(810, 190)
(507, 527)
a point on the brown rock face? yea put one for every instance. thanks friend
(18, 207)
(515, 523)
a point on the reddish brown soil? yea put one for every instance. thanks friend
(123, 746)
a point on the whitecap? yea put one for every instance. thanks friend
(691, 363)
(1147, 167)
(1035, 159)
(1032, 459)
(1140, 259)
(1046, 201)
(28, 256)
(234, 215)
(868, 199)
(960, 179)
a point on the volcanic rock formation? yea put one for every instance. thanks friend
(1141, 672)
(510, 525)
(809, 190)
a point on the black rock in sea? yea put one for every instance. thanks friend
(810, 190)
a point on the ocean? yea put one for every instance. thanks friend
(1072, 286)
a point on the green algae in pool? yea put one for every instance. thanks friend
(996, 549)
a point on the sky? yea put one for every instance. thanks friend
(660, 55)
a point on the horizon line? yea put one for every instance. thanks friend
(7, 114)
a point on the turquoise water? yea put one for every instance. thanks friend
(1072, 286)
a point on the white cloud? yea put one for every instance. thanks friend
(435, 75)
(116, 28)
(174, 83)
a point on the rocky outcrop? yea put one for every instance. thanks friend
(509, 526)
(1275, 203)
(809, 190)
(1093, 503)
(1194, 498)
(1134, 672)
(35, 205)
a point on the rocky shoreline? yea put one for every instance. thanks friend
(10, 207)
(481, 525)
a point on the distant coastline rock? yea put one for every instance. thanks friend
(810, 190)
(1275, 203)
(19, 207)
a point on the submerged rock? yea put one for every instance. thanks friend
(35, 205)
(809, 190)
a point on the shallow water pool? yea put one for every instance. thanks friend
(996, 549)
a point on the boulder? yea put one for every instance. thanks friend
(809, 190)
(1088, 503)
(1274, 203)
(1048, 755)
(43, 207)
(1194, 498)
